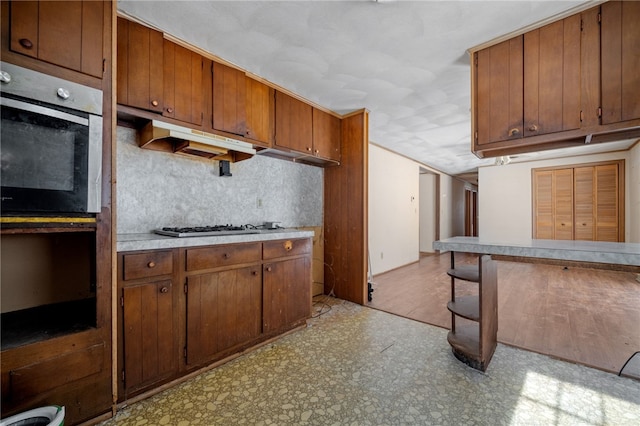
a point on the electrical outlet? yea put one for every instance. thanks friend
(259, 203)
(381, 255)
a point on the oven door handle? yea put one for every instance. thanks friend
(49, 112)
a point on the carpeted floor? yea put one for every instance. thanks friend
(354, 365)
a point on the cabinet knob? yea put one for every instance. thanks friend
(63, 93)
(533, 128)
(169, 110)
(226, 256)
(562, 224)
(317, 151)
(513, 132)
(254, 272)
(584, 224)
(309, 148)
(288, 245)
(164, 290)
(268, 268)
(151, 264)
(154, 103)
(26, 43)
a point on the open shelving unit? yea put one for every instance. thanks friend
(474, 344)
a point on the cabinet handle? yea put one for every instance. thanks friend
(164, 290)
(169, 110)
(533, 128)
(151, 264)
(514, 132)
(154, 103)
(26, 43)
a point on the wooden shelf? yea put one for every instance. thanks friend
(466, 339)
(466, 307)
(465, 273)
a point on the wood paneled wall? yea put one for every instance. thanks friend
(345, 213)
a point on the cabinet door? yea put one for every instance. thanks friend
(182, 78)
(287, 293)
(620, 40)
(294, 128)
(499, 92)
(140, 66)
(326, 135)
(223, 310)
(260, 112)
(64, 33)
(229, 97)
(149, 348)
(584, 202)
(552, 78)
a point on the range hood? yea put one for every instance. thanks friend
(183, 140)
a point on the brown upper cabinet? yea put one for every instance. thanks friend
(306, 130)
(326, 135)
(229, 98)
(294, 124)
(569, 82)
(620, 61)
(182, 77)
(140, 66)
(66, 33)
(530, 85)
(260, 112)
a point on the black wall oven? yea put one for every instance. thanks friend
(51, 144)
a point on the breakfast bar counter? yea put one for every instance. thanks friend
(622, 254)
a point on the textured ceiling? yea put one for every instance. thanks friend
(406, 62)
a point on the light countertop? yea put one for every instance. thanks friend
(579, 251)
(150, 241)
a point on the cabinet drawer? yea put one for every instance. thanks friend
(150, 264)
(217, 256)
(283, 248)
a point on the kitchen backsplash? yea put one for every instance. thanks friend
(156, 189)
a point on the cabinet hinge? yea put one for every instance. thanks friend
(581, 24)
(104, 65)
(123, 376)
(581, 116)
(476, 136)
(599, 18)
(186, 288)
(185, 352)
(122, 301)
(475, 59)
(599, 112)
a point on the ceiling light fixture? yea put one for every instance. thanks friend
(502, 160)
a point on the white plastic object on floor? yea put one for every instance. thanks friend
(43, 416)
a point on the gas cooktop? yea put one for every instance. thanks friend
(204, 231)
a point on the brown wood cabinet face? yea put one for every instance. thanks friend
(183, 88)
(499, 92)
(552, 78)
(149, 351)
(579, 203)
(620, 61)
(140, 66)
(64, 33)
(286, 293)
(260, 112)
(326, 135)
(294, 124)
(229, 97)
(590, 67)
(223, 310)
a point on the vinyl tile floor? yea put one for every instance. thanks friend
(354, 365)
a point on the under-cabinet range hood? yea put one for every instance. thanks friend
(195, 142)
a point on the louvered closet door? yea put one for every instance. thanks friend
(607, 203)
(543, 192)
(584, 203)
(563, 203)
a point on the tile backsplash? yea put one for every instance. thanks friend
(156, 189)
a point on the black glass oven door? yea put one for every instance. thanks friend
(44, 159)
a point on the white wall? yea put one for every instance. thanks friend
(427, 212)
(446, 207)
(505, 205)
(634, 194)
(394, 201)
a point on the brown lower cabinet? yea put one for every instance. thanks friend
(185, 308)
